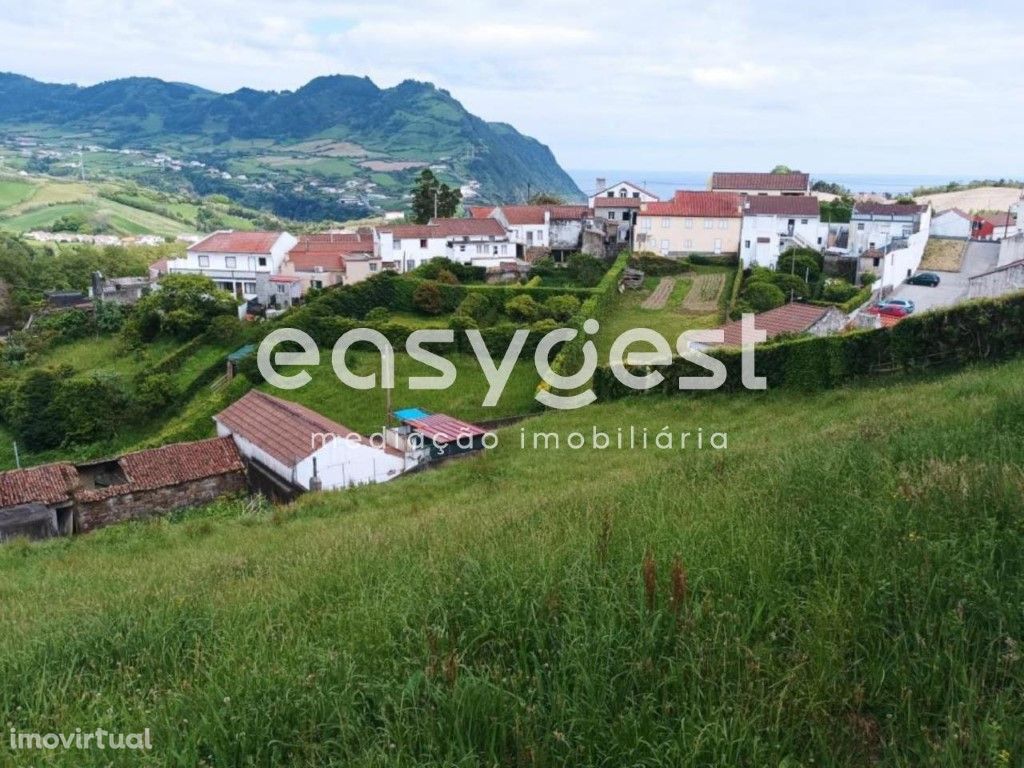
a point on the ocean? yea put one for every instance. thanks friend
(664, 183)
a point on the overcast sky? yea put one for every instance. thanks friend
(881, 87)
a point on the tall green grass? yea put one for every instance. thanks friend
(842, 586)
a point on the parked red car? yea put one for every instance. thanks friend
(892, 310)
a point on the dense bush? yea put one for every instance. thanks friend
(378, 315)
(838, 291)
(464, 273)
(427, 298)
(975, 331)
(183, 308)
(761, 296)
(562, 308)
(658, 266)
(523, 308)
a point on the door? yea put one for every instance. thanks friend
(718, 245)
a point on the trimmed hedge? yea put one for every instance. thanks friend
(653, 265)
(713, 260)
(860, 297)
(984, 330)
(570, 356)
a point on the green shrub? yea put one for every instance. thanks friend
(378, 315)
(762, 296)
(838, 290)
(475, 306)
(523, 308)
(562, 307)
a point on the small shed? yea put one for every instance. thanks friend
(34, 521)
(238, 356)
(442, 436)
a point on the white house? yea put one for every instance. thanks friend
(624, 190)
(555, 228)
(303, 448)
(239, 262)
(899, 258)
(878, 225)
(951, 223)
(771, 224)
(481, 242)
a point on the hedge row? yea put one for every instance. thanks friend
(734, 292)
(714, 260)
(172, 360)
(570, 356)
(985, 330)
(860, 297)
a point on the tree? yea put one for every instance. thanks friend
(782, 169)
(427, 299)
(475, 306)
(431, 198)
(184, 307)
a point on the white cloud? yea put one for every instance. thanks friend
(914, 86)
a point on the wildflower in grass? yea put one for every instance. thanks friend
(650, 572)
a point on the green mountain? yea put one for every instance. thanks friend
(340, 132)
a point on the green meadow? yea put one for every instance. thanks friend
(842, 586)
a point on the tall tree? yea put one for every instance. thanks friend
(430, 196)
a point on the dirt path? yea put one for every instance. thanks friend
(660, 294)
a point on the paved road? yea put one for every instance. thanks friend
(952, 289)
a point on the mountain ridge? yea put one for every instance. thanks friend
(411, 122)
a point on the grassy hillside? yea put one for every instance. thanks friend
(842, 586)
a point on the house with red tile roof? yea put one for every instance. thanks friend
(792, 319)
(305, 449)
(1003, 224)
(690, 223)
(482, 241)
(772, 224)
(332, 258)
(79, 498)
(619, 203)
(754, 184)
(239, 262)
(898, 231)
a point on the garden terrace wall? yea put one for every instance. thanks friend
(976, 331)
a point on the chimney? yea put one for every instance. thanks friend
(315, 483)
(601, 184)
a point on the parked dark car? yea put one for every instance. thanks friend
(924, 278)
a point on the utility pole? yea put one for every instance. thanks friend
(17, 457)
(435, 203)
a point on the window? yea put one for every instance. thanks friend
(666, 223)
(262, 261)
(611, 194)
(611, 215)
(723, 224)
(373, 266)
(803, 221)
(746, 243)
(688, 223)
(462, 249)
(318, 284)
(874, 261)
(249, 287)
(423, 243)
(204, 261)
(397, 243)
(718, 246)
(636, 195)
(860, 226)
(664, 246)
(688, 244)
(647, 225)
(230, 262)
(708, 224)
(280, 288)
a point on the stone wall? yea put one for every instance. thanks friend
(142, 504)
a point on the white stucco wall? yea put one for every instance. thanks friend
(898, 265)
(950, 224)
(342, 463)
(775, 228)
